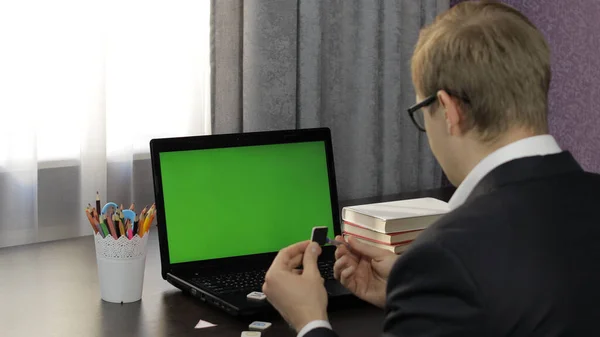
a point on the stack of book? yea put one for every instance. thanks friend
(392, 225)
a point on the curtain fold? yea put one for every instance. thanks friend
(343, 64)
(226, 41)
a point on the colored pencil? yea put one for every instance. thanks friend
(140, 226)
(136, 224)
(97, 224)
(128, 225)
(144, 211)
(145, 224)
(111, 225)
(122, 226)
(98, 209)
(89, 216)
(118, 225)
(103, 226)
(114, 223)
(148, 220)
(151, 220)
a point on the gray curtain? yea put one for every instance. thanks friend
(343, 64)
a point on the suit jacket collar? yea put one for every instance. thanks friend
(539, 145)
(525, 169)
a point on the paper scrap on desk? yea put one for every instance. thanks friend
(204, 324)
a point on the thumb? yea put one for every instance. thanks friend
(309, 262)
(365, 249)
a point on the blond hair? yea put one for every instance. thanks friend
(493, 59)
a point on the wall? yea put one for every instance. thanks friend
(57, 218)
(572, 30)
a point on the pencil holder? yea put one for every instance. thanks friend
(121, 265)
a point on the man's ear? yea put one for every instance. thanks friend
(452, 113)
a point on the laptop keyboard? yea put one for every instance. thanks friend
(247, 281)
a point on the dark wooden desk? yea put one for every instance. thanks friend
(51, 289)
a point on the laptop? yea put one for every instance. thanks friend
(226, 204)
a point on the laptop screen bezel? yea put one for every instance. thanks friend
(158, 146)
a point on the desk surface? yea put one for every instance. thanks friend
(51, 289)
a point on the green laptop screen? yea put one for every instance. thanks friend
(243, 200)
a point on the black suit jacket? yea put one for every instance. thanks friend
(521, 257)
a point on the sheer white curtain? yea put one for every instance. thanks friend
(84, 86)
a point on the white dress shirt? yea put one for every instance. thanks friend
(313, 325)
(528, 147)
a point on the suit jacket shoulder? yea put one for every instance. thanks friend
(519, 258)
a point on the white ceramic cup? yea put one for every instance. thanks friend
(121, 265)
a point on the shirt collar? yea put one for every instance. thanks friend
(532, 146)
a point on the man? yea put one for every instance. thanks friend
(519, 254)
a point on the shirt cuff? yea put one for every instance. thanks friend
(313, 325)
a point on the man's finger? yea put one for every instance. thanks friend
(285, 256)
(295, 261)
(309, 263)
(346, 275)
(343, 248)
(341, 264)
(340, 251)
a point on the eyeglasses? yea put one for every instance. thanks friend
(416, 111)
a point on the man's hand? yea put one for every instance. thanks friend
(300, 297)
(364, 270)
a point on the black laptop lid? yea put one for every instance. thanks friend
(225, 201)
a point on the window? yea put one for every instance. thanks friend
(77, 75)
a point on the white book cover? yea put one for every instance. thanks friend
(402, 209)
